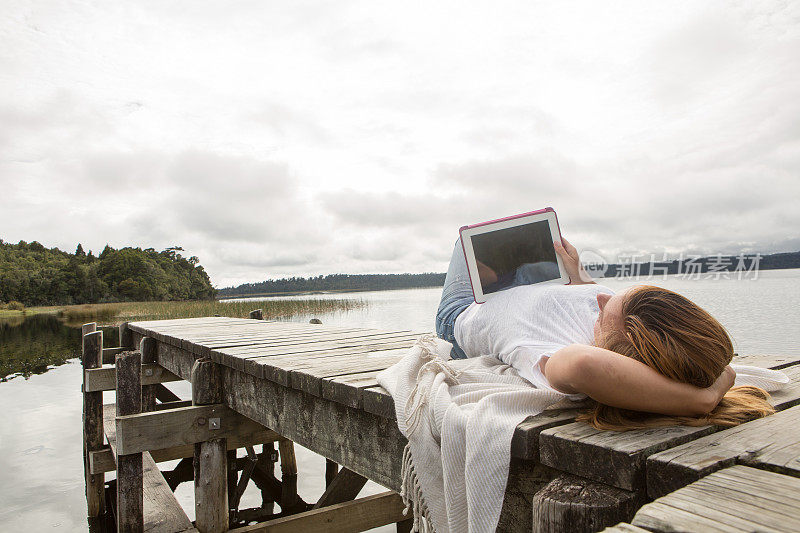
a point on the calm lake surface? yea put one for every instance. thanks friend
(40, 433)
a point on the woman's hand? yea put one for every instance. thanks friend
(572, 263)
(718, 389)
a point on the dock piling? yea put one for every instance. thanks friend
(92, 357)
(130, 504)
(210, 457)
(147, 346)
(125, 337)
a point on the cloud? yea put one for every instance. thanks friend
(311, 139)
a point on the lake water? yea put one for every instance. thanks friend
(40, 433)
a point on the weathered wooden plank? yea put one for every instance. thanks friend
(161, 329)
(176, 360)
(261, 336)
(278, 368)
(309, 349)
(130, 503)
(738, 498)
(344, 487)
(310, 379)
(347, 338)
(242, 341)
(180, 322)
(186, 335)
(210, 456)
(103, 460)
(525, 443)
(378, 401)
(359, 515)
(771, 443)
(109, 354)
(103, 379)
(169, 428)
(618, 458)
(162, 512)
(789, 395)
(362, 442)
(347, 389)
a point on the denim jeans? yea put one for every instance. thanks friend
(456, 296)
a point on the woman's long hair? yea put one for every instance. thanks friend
(674, 336)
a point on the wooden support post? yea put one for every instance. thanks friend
(92, 355)
(210, 457)
(130, 504)
(125, 337)
(289, 496)
(267, 463)
(331, 469)
(233, 480)
(257, 314)
(148, 348)
(571, 503)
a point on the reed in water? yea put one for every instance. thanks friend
(272, 308)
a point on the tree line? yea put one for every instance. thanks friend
(747, 264)
(334, 282)
(32, 274)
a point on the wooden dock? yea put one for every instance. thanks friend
(258, 383)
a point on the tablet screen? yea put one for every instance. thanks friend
(520, 255)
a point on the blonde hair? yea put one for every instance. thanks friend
(674, 336)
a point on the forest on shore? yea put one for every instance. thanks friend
(33, 275)
(743, 264)
(336, 282)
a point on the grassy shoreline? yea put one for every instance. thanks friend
(125, 311)
(322, 292)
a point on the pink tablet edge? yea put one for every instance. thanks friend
(464, 250)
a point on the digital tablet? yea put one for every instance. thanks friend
(513, 251)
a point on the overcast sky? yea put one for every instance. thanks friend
(300, 138)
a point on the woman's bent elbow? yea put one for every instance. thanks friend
(569, 368)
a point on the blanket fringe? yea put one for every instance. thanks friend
(411, 493)
(435, 365)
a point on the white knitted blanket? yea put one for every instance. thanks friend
(459, 418)
(459, 424)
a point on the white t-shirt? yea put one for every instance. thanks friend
(522, 325)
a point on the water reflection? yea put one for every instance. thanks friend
(34, 344)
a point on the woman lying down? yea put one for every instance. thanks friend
(643, 357)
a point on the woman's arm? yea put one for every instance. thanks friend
(613, 379)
